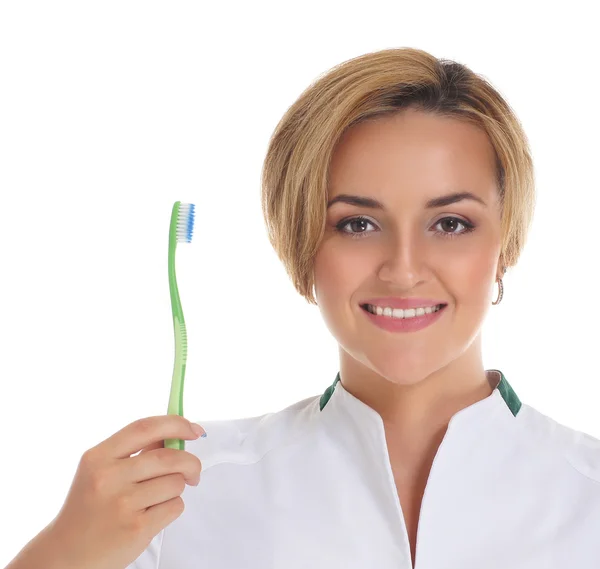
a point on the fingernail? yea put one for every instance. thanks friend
(197, 429)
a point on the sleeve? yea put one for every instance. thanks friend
(150, 557)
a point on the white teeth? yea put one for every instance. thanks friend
(400, 313)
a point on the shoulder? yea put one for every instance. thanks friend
(581, 450)
(247, 440)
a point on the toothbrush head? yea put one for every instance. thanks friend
(185, 222)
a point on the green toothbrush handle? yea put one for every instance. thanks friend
(176, 396)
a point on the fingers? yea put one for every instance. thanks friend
(145, 432)
(162, 462)
(156, 491)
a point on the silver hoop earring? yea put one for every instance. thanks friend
(500, 291)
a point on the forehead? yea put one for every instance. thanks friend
(413, 152)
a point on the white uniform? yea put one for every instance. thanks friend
(311, 487)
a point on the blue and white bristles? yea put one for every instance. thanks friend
(185, 222)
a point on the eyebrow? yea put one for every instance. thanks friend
(441, 201)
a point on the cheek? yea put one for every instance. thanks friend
(339, 273)
(337, 278)
(470, 276)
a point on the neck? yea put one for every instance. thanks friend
(416, 410)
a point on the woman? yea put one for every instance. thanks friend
(397, 191)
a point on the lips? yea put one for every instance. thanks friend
(414, 324)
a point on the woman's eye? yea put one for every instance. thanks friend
(356, 221)
(451, 224)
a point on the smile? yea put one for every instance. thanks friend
(402, 313)
(410, 319)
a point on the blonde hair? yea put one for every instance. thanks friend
(296, 167)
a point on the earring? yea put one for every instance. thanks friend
(500, 291)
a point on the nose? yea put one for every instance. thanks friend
(404, 262)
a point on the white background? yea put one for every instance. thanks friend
(111, 111)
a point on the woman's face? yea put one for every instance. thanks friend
(407, 249)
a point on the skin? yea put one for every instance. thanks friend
(418, 380)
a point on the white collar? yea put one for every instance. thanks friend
(363, 425)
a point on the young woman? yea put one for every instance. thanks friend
(397, 190)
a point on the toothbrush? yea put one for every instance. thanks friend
(180, 231)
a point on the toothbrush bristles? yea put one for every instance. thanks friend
(185, 222)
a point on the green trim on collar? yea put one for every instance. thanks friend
(508, 393)
(329, 392)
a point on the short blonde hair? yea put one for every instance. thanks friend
(295, 172)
